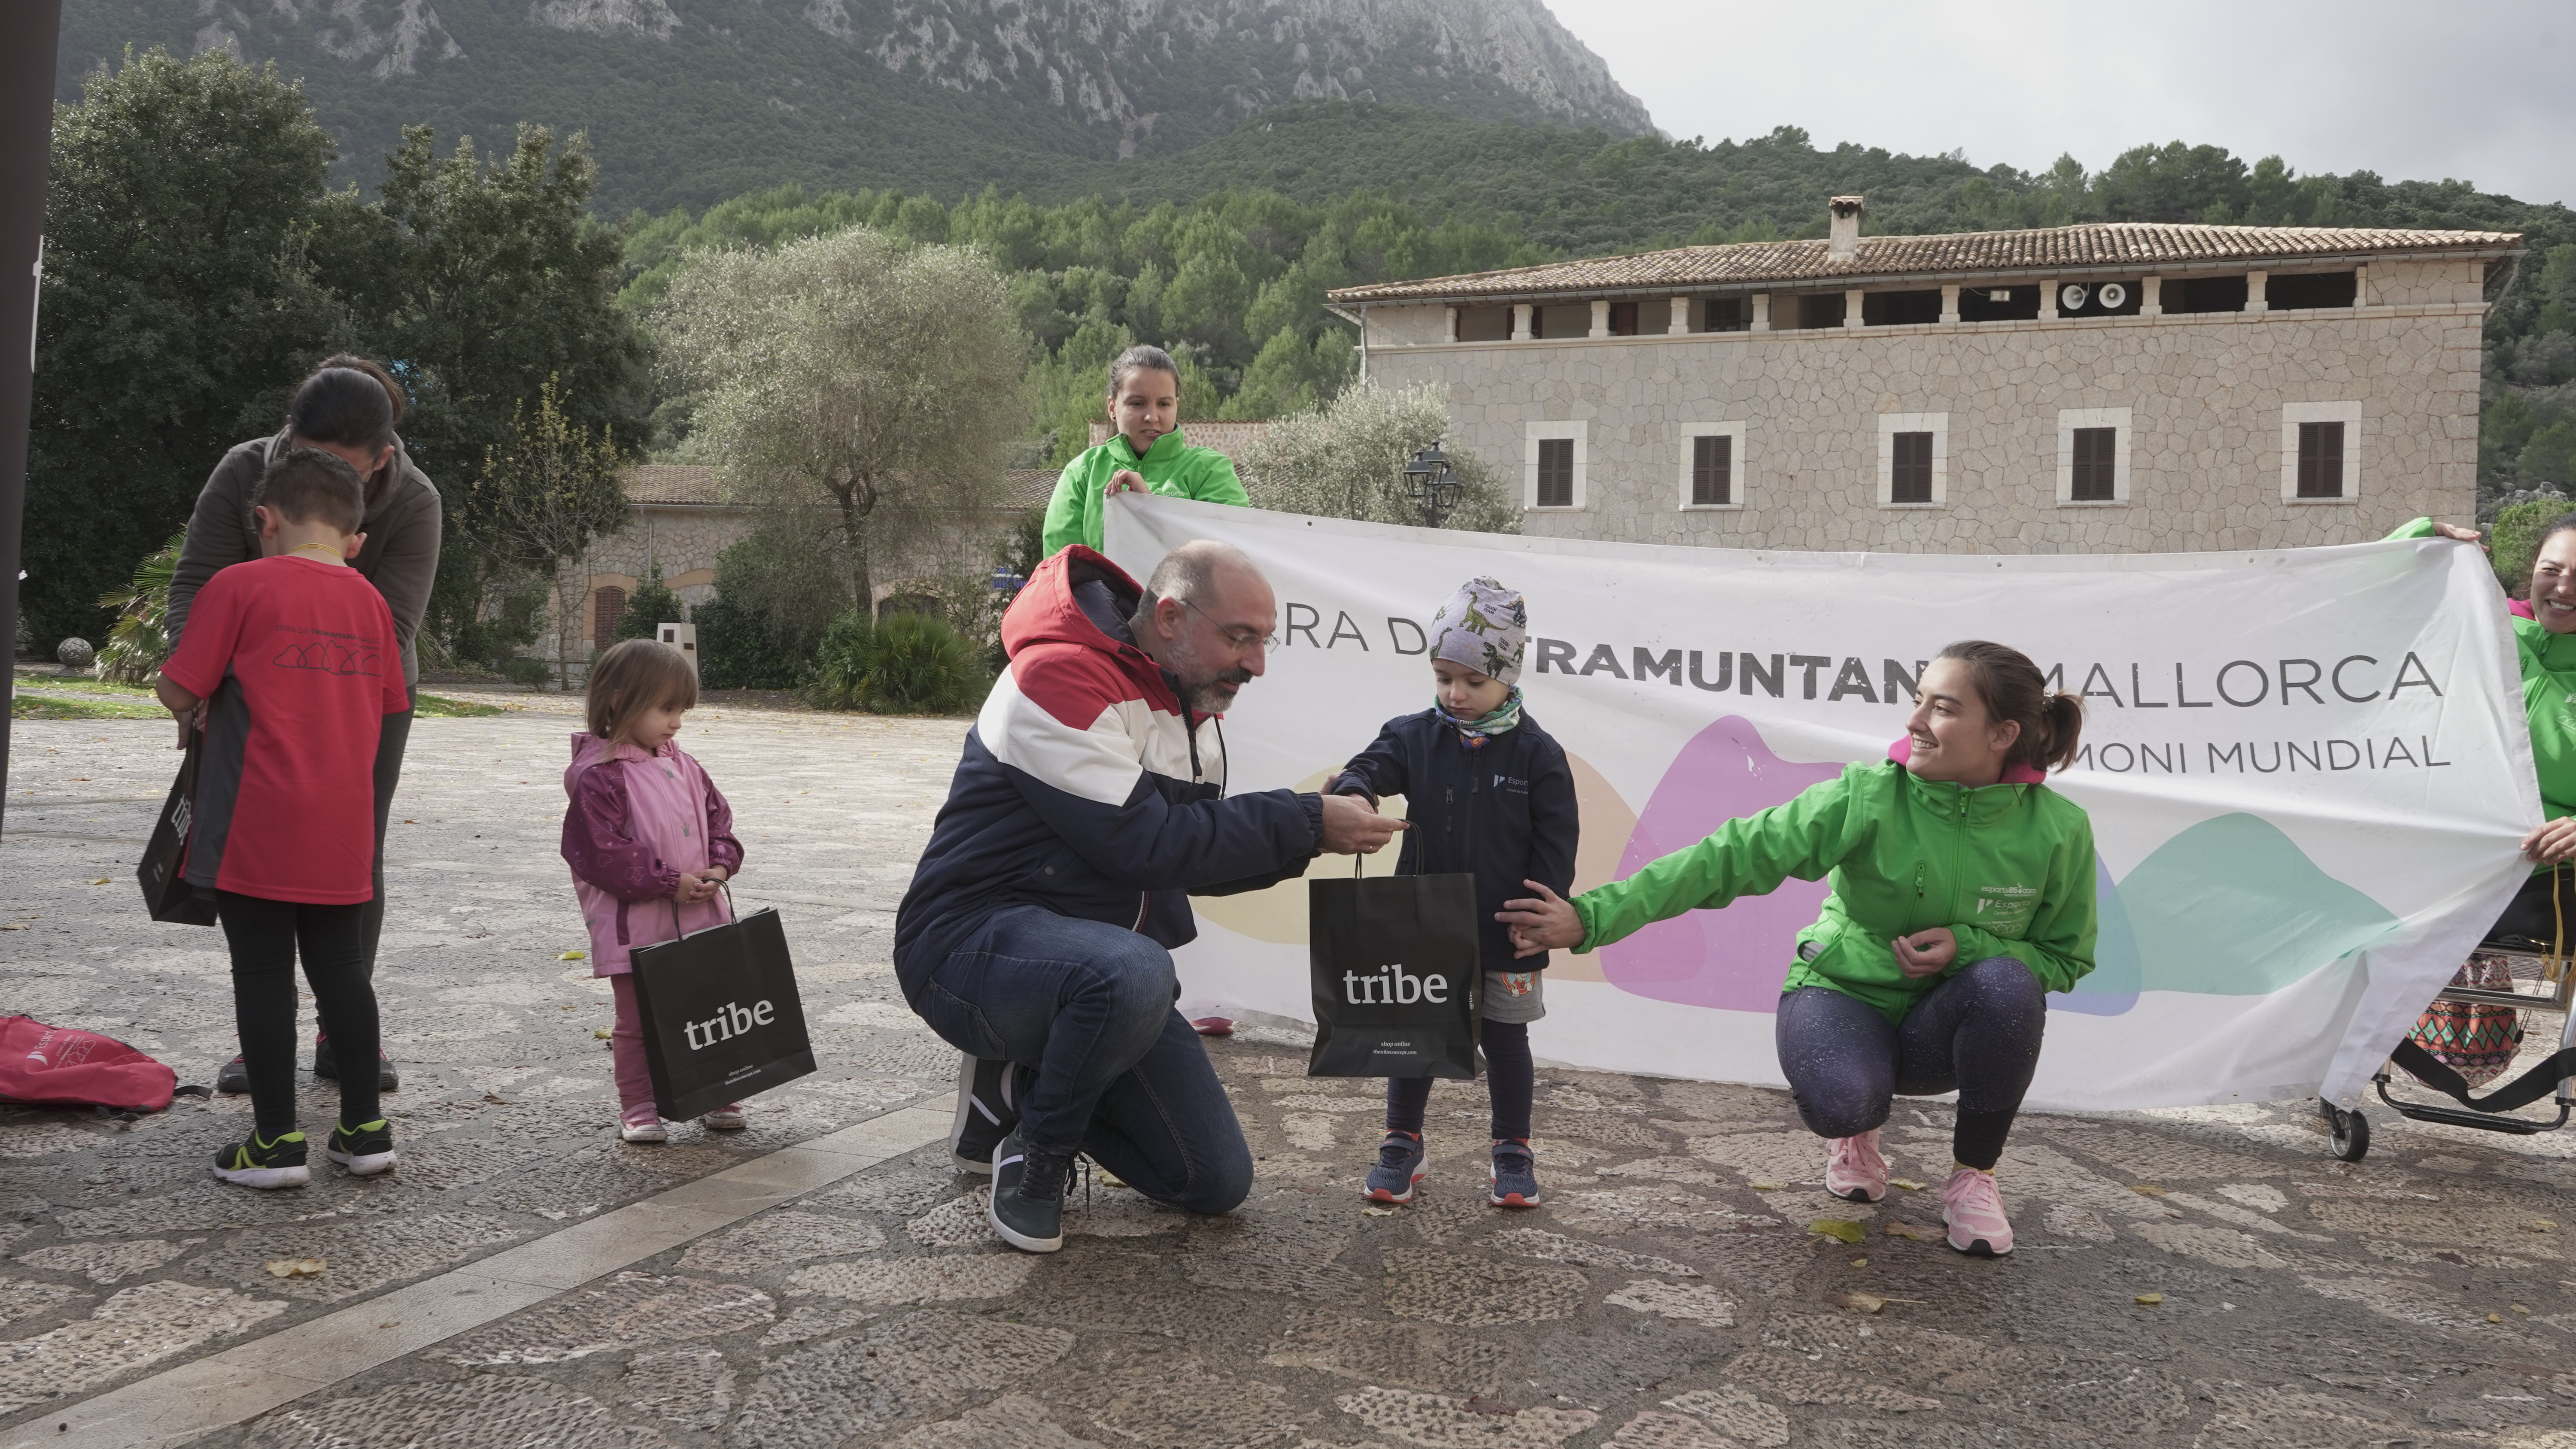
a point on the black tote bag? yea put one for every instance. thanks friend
(163, 870)
(721, 1016)
(1398, 984)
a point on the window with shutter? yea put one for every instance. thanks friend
(1712, 470)
(607, 606)
(2320, 460)
(1910, 480)
(1556, 472)
(2095, 449)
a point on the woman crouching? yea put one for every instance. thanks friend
(1963, 891)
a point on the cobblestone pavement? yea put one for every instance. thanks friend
(1670, 1295)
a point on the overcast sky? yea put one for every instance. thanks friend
(2411, 89)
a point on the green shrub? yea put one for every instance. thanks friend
(2514, 543)
(738, 649)
(648, 608)
(906, 664)
(139, 641)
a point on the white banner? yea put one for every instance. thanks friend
(2308, 773)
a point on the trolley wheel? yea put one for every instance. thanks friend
(2351, 1132)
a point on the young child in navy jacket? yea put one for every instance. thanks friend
(1489, 793)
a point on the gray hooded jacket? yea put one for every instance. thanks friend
(400, 556)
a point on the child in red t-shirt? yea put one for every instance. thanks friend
(289, 666)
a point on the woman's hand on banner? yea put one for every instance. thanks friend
(2456, 533)
(1547, 923)
(2551, 843)
(1125, 480)
(1352, 826)
(1926, 953)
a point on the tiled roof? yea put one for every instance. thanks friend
(1235, 440)
(2091, 247)
(670, 485)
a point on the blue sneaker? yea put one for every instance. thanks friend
(1515, 1174)
(1399, 1167)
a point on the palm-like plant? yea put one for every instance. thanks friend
(138, 643)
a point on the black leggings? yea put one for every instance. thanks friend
(1510, 1082)
(265, 936)
(1977, 1033)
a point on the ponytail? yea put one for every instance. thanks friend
(2013, 688)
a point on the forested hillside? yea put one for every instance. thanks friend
(690, 101)
(1225, 251)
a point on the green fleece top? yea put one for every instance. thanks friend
(2548, 699)
(2008, 868)
(1171, 467)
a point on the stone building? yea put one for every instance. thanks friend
(2123, 387)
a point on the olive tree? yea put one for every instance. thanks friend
(1346, 460)
(858, 392)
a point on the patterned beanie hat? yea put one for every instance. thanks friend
(1484, 627)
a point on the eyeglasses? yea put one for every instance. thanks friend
(1242, 639)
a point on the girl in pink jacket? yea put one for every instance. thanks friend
(649, 839)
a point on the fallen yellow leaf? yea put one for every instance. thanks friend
(2518, 1308)
(600, 1032)
(1766, 1187)
(102, 880)
(1916, 1231)
(2495, 1318)
(1864, 1302)
(1380, 1210)
(574, 956)
(2543, 1225)
(1839, 1229)
(2146, 1189)
(295, 1268)
(1860, 1262)
(1907, 1183)
(2150, 1300)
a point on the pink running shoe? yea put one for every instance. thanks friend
(1974, 1209)
(1854, 1170)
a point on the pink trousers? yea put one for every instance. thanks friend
(634, 1075)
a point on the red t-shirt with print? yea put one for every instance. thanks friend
(299, 662)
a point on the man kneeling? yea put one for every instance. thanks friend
(1089, 806)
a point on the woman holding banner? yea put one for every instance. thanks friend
(1962, 893)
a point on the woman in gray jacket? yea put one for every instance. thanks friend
(349, 408)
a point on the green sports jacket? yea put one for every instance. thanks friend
(2548, 699)
(2008, 868)
(1171, 467)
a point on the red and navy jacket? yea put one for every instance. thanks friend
(1088, 789)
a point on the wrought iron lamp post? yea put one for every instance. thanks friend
(1433, 484)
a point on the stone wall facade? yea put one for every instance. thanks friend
(2206, 405)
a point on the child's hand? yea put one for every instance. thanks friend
(1548, 923)
(698, 885)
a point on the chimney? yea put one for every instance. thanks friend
(1844, 239)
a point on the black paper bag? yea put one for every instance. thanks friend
(1398, 985)
(163, 871)
(721, 1016)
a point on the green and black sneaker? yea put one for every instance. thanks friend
(265, 1164)
(365, 1151)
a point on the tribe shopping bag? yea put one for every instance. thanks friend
(721, 1016)
(1396, 976)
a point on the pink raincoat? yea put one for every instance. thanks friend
(637, 821)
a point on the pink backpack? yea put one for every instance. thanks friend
(56, 1066)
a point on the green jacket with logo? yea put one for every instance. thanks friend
(2548, 699)
(1171, 467)
(2008, 868)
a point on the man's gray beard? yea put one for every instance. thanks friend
(1198, 683)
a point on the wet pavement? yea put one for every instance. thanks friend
(1671, 1293)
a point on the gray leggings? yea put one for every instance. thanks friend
(1977, 1033)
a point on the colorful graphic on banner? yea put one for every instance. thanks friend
(2307, 773)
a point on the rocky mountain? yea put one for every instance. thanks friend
(689, 100)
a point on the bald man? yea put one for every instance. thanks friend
(1090, 805)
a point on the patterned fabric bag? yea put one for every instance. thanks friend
(2475, 1039)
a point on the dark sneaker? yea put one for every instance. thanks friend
(365, 1151)
(326, 1064)
(1399, 1167)
(1515, 1174)
(987, 1110)
(1027, 1205)
(235, 1077)
(265, 1164)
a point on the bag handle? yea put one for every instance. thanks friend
(725, 885)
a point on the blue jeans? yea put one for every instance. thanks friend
(1119, 1075)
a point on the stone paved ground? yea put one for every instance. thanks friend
(1670, 1295)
